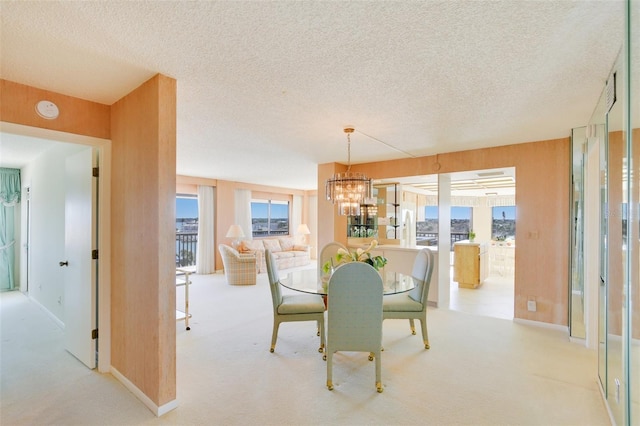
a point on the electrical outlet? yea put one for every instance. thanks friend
(531, 305)
(59, 300)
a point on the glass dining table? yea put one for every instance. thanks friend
(308, 281)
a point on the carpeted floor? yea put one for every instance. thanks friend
(479, 371)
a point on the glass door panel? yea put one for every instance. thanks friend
(633, 336)
(577, 323)
(618, 249)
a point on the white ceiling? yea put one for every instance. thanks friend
(265, 88)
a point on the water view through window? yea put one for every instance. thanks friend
(269, 217)
(186, 230)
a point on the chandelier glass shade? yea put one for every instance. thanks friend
(348, 190)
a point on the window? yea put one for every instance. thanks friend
(186, 229)
(461, 224)
(269, 217)
(503, 223)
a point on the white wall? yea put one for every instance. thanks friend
(46, 176)
(482, 221)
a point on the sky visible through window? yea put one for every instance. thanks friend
(186, 208)
(509, 212)
(278, 211)
(431, 212)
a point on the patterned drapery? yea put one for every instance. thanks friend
(9, 198)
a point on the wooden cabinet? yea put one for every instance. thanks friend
(470, 264)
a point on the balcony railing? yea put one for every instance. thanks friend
(186, 248)
(265, 233)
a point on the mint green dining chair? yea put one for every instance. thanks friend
(354, 315)
(292, 307)
(413, 305)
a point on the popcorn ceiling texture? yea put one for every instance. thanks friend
(265, 88)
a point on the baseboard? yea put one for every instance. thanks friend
(155, 409)
(47, 312)
(612, 419)
(558, 327)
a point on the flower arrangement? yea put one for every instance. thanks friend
(360, 255)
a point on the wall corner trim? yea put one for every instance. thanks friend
(157, 410)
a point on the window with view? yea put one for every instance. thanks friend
(503, 223)
(269, 217)
(186, 229)
(461, 224)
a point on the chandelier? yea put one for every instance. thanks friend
(348, 190)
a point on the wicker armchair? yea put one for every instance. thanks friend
(239, 268)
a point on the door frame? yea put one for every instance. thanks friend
(104, 225)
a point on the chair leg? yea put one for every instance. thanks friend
(329, 370)
(378, 373)
(274, 335)
(412, 326)
(425, 336)
(321, 334)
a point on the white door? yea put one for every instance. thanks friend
(80, 269)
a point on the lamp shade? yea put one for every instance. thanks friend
(303, 229)
(235, 231)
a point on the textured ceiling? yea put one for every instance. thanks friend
(265, 88)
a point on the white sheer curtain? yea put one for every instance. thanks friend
(206, 253)
(243, 211)
(296, 215)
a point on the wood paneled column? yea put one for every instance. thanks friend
(143, 132)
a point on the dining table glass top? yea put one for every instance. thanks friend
(308, 281)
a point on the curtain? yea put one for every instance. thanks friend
(9, 199)
(206, 253)
(296, 216)
(243, 211)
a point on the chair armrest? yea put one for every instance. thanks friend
(299, 247)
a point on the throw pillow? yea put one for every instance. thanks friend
(253, 245)
(287, 243)
(272, 244)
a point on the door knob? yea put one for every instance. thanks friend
(65, 263)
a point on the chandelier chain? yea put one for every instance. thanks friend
(348, 152)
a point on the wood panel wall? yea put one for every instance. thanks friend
(542, 227)
(142, 271)
(17, 105)
(143, 137)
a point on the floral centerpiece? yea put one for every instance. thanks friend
(360, 255)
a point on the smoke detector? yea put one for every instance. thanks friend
(47, 110)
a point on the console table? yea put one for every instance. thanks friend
(183, 280)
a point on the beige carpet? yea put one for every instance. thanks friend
(479, 371)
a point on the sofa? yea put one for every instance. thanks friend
(286, 252)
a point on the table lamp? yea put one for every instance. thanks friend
(235, 232)
(303, 230)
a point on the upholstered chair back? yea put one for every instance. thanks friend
(328, 252)
(421, 273)
(274, 279)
